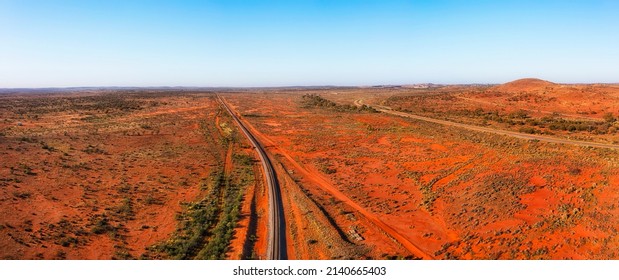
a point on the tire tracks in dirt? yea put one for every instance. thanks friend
(327, 186)
(514, 134)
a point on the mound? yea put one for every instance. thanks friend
(528, 85)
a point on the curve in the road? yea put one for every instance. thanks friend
(277, 231)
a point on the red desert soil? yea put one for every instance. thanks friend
(584, 101)
(388, 182)
(95, 175)
(103, 175)
(529, 84)
(584, 112)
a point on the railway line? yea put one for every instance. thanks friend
(277, 231)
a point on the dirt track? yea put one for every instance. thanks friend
(497, 131)
(325, 185)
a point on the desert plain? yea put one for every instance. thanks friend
(522, 170)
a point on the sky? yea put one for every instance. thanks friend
(305, 42)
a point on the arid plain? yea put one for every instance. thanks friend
(523, 170)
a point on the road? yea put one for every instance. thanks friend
(578, 117)
(277, 231)
(320, 181)
(520, 135)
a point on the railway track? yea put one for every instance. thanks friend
(277, 231)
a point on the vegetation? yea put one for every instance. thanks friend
(33, 107)
(27, 170)
(206, 226)
(312, 100)
(45, 146)
(22, 195)
(102, 225)
(102, 195)
(197, 221)
(610, 118)
(325, 166)
(90, 149)
(542, 125)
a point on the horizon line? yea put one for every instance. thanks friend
(282, 87)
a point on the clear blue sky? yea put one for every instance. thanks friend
(278, 43)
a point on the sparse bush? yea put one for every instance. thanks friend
(150, 200)
(102, 225)
(521, 118)
(243, 159)
(125, 209)
(27, 139)
(529, 130)
(609, 118)
(27, 170)
(47, 147)
(520, 114)
(90, 149)
(122, 254)
(22, 195)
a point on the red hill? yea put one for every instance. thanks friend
(529, 84)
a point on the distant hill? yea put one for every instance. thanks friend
(528, 85)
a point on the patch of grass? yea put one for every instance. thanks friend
(102, 225)
(125, 210)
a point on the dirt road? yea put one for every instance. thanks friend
(495, 131)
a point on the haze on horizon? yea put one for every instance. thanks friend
(285, 43)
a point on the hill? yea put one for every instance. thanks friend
(528, 85)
